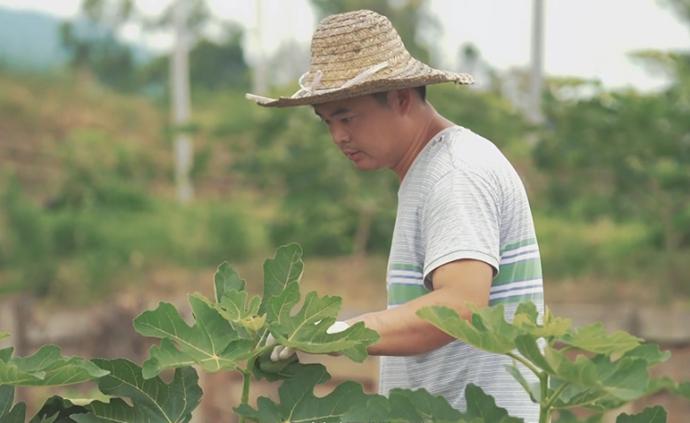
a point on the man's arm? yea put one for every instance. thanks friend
(403, 333)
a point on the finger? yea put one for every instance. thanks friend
(337, 327)
(270, 340)
(286, 353)
(275, 354)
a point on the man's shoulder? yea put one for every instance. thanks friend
(459, 151)
(471, 150)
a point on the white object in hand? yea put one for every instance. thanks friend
(281, 352)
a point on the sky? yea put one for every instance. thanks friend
(583, 38)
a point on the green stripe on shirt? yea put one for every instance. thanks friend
(399, 293)
(514, 245)
(536, 298)
(522, 270)
(405, 266)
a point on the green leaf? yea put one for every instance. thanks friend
(5, 354)
(649, 352)
(533, 389)
(298, 403)
(526, 320)
(6, 398)
(57, 409)
(482, 405)
(306, 330)
(594, 338)
(284, 269)
(599, 383)
(565, 416)
(347, 403)
(376, 409)
(580, 372)
(527, 345)
(211, 343)
(16, 415)
(3, 335)
(46, 367)
(661, 384)
(265, 368)
(488, 331)
(152, 400)
(420, 406)
(10, 413)
(241, 311)
(237, 305)
(580, 375)
(649, 415)
(280, 306)
(528, 312)
(225, 280)
(683, 389)
(626, 379)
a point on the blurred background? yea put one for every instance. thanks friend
(131, 165)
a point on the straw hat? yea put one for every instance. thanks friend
(358, 53)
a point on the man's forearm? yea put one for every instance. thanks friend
(402, 332)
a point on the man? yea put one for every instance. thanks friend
(463, 232)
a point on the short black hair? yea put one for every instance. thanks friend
(382, 97)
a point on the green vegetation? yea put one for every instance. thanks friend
(230, 334)
(87, 210)
(87, 170)
(608, 369)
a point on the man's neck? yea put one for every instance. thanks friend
(431, 125)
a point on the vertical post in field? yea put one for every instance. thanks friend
(179, 85)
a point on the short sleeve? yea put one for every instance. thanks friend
(460, 220)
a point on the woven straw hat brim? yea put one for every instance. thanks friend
(358, 53)
(370, 87)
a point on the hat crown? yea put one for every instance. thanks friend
(358, 53)
(346, 44)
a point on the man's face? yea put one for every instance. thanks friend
(364, 129)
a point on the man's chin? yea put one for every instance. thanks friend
(366, 166)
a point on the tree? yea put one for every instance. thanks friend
(214, 64)
(626, 155)
(324, 202)
(26, 254)
(682, 7)
(92, 45)
(623, 154)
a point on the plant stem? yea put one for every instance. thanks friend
(544, 409)
(555, 395)
(246, 382)
(526, 363)
(544, 415)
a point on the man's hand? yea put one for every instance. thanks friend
(281, 352)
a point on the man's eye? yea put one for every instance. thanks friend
(347, 120)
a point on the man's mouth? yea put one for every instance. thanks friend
(351, 154)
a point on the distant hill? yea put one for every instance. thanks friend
(36, 130)
(31, 40)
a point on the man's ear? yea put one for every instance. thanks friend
(401, 100)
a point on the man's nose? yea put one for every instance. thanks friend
(339, 134)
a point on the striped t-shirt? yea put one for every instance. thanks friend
(462, 199)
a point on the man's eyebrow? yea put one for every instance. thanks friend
(340, 111)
